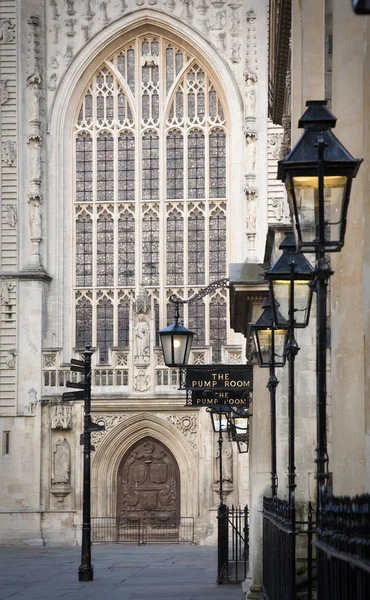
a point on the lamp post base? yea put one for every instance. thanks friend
(85, 573)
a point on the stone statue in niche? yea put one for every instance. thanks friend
(251, 153)
(8, 153)
(6, 31)
(141, 340)
(4, 94)
(227, 463)
(219, 21)
(35, 219)
(61, 463)
(35, 162)
(33, 107)
(142, 381)
(250, 100)
(251, 211)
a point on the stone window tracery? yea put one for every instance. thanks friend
(150, 195)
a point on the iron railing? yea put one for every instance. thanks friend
(280, 531)
(122, 529)
(343, 549)
(233, 544)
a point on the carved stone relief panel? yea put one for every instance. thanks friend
(61, 417)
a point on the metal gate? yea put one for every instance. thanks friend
(116, 530)
(233, 544)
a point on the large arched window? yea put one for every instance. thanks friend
(150, 194)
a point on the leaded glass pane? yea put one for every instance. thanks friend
(84, 251)
(121, 64)
(124, 323)
(83, 323)
(197, 322)
(121, 102)
(179, 60)
(126, 250)
(155, 106)
(212, 103)
(109, 108)
(105, 250)
(171, 312)
(175, 248)
(150, 249)
(126, 166)
(179, 105)
(150, 166)
(104, 329)
(196, 164)
(217, 245)
(100, 108)
(218, 327)
(156, 321)
(88, 108)
(217, 164)
(131, 69)
(175, 165)
(84, 168)
(105, 165)
(169, 67)
(196, 248)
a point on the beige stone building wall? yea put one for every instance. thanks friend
(48, 52)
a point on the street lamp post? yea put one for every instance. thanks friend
(270, 345)
(220, 425)
(290, 281)
(318, 174)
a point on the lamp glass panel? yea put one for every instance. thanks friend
(176, 349)
(302, 291)
(217, 421)
(280, 339)
(263, 342)
(306, 192)
(241, 425)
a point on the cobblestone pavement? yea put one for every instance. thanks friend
(121, 572)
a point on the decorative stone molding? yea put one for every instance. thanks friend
(235, 29)
(9, 153)
(274, 142)
(7, 33)
(12, 215)
(4, 94)
(33, 57)
(235, 52)
(251, 139)
(61, 417)
(141, 381)
(187, 424)
(110, 423)
(276, 210)
(10, 358)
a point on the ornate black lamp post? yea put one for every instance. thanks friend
(239, 427)
(290, 281)
(220, 424)
(318, 174)
(270, 343)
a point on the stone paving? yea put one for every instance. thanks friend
(121, 572)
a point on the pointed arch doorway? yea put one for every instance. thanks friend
(148, 492)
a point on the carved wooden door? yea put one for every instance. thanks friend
(149, 487)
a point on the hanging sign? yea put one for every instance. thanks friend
(210, 385)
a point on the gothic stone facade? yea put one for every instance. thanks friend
(134, 151)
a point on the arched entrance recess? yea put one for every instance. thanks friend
(121, 441)
(148, 486)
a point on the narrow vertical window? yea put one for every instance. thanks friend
(150, 166)
(104, 167)
(6, 443)
(218, 326)
(217, 164)
(84, 250)
(104, 333)
(196, 164)
(84, 168)
(175, 248)
(105, 256)
(126, 249)
(197, 322)
(150, 237)
(175, 165)
(83, 323)
(196, 248)
(126, 167)
(217, 245)
(124, 323)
